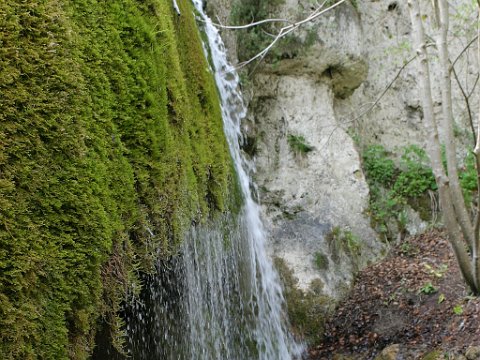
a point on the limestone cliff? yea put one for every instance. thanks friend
(334, 87)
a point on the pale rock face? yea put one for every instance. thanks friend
(305, 195)
(322, 94)
(397, 120)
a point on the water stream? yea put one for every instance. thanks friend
(262, 294)
(221, 299)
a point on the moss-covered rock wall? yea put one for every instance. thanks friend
(111, 144)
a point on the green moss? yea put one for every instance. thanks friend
(320, 260)
(307, 310)
(111, 144)
(434, 355)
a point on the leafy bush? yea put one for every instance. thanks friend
(379, 169)
(416, 176)
(468, 177)
(392, 186)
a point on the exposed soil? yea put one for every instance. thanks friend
(415, 297)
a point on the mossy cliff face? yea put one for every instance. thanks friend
(111, 144)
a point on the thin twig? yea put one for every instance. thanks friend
(470, 43)
(377, 100)
(467, 102)
(284, 31)
(256, 23)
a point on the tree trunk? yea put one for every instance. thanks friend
(476, 244)
(457, 227)
(450, 146)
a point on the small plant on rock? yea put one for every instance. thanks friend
(343, 241)
(298, 144)
(321, 261)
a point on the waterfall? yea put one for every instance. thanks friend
(220, 299)
(263, 292)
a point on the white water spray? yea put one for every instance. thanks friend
(272, 339)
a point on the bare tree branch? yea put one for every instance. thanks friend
(467, 103)
(284, 31)
(377, 100)
(253, 24)
(465, 49)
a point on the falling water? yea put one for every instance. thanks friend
(261, 297)
(221, 298)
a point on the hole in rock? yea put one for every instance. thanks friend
(392, 6)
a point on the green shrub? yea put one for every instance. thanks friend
(468, 177)
(415, 176)
(379, 168)
(391, 186)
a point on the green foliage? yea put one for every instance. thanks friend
(379, 168)
(252, 40)
(392, 186)
(416, 176)
(408, 249)
(343, 241)
(458, 309)
(468, 177)
(298, 144)
(111, 143)
(467, 174)
(428, 289)
(321, 261)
